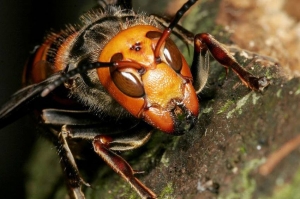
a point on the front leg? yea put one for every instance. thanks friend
(83, 125)
(69, 166)
(203, 43)
(104, 146)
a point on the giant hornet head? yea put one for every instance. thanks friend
(156, 89)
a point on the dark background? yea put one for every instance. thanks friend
(23, 25)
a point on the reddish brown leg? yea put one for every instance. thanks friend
(101, 145)
(205, 42)
(124, 136)
(73, 179)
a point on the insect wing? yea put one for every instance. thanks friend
(23, 101)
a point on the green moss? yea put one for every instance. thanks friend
(245, 185)
(290, 190)
(243, 150)
(224, 108)
(255, 98)
(240, 103)
(167, 192)
(278, 93)
(207, 110)
(297, 92)
(269, 74)
(222, 76)
(165, 160)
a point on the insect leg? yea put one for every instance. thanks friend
(61, 119)
(103, 146)
(69, 167)
(205, 42)
(131, 136)
(91, 132)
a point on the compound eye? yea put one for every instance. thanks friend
(171, 52)
(127, 80)
(173, 55)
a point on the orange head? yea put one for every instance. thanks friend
(158, 91)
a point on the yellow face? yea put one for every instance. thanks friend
(147, 88)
